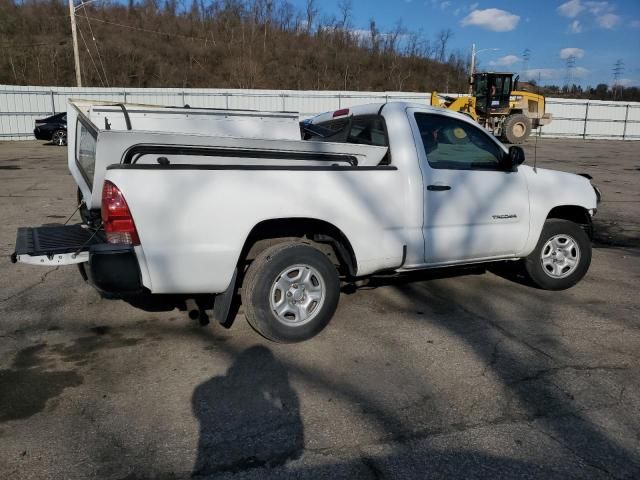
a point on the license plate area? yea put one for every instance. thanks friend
(52, 245)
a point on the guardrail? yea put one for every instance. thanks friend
(21, 106)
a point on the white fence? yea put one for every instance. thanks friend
(20, 106)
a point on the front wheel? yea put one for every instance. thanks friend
(290, 292)
(561, 257)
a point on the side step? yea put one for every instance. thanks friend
(52, 245)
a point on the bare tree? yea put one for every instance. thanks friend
(225, 43)
(311, 13)
(442, 39)
(345, 8)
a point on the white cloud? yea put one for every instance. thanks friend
(571, 52)
(553, 73)
(608, 20)
(575, 26)
(473, 6)
(598, 7)
(364, 34)
(442, 5)
(570, 9)
(635, 24)
(579, 72)
(627, 82)
(492, 19)
(505, 61)
(540, 73)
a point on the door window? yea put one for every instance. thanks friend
(453, 144)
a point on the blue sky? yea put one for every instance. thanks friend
(595, 33)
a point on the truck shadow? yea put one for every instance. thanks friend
(255, 398)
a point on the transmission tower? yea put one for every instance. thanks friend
(570, 65)
(526, 56)
(618, 70)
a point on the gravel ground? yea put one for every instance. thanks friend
(440, 375)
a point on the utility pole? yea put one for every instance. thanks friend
(473, 67)
(74, 35)
(475, 52)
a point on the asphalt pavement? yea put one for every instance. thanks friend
(442, 375)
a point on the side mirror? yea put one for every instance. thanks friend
(514, 158)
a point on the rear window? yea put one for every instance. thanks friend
(363, 129)
(86, 152)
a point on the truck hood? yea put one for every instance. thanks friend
(552, 188)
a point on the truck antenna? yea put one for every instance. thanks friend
(535, 144)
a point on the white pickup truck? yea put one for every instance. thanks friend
(204, 201)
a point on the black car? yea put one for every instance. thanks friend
(52, 128)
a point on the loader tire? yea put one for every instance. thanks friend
(517, 128)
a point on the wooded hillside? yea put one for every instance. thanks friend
(219, 43)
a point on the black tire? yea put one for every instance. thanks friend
(259, 291)
(517, 128)
(59, 138)
(543, 275)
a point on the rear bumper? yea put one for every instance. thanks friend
(114, 269)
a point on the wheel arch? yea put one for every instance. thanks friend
(319, 232)
(574, 213)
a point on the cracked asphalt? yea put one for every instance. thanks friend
(443, 375)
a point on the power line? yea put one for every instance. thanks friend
(95, 43)
(146, 30)
(90, 56)
(33, 45)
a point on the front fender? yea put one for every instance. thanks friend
(550, 189)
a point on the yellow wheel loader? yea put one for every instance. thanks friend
(509, 113)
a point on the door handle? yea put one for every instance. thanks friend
(438, 188)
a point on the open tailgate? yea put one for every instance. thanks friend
(52, 245)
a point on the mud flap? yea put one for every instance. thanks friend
(222, 303)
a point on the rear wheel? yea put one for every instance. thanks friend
(290, 292)
(561, 257)
(59, 138)
(516, 128)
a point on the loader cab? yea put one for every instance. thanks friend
(492, 91)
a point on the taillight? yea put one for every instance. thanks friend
(341, 112)
(116, 218)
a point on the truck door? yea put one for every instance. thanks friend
(474, 209)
